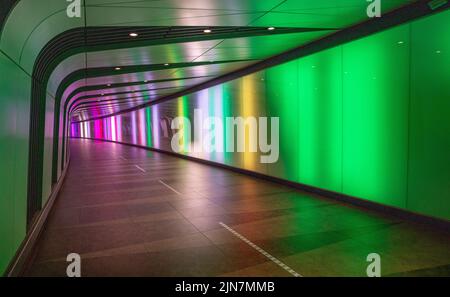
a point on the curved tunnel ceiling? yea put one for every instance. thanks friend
(178, 59)
(169, 32)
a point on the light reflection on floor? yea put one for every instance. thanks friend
(123, 221)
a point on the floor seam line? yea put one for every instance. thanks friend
(140, 168)
(170, 187)
(260, 250)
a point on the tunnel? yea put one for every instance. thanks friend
(224, 138)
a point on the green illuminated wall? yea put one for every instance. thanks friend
(375, 117)
(369, 119)
(282, 102)
(14, 124)
(14, 141)
(320, 120)
(429, 120)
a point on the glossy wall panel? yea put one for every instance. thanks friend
(367, 119)
(283, 103)
(320, 120)
(14, 112)
(375, 116)
(429, 140)
(7, 151)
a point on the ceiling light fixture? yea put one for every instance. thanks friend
(400, 42)
(271, 28)
(108, 85)
(438, 52)
(134, 34)
(117, 68)
(207, 31)
(166, 64)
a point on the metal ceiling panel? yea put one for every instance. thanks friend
(126, 16)
(258, 47)
(216, 69)
(31, 25)
(322, 13)
(39, 23)
(212, 70)
(236, 5)
(177, 13)
(63, 69)
(336, 6)
(149, 85)
(120, 78)
(156, 54)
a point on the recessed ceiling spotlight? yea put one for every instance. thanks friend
(145, 81)
(400, 42)
(271, 28)
(134, 34)
(207, 31)
(117, 68)
(166, 64)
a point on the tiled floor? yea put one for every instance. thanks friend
(165, 222)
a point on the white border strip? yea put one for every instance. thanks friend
(140, 168)
(269, 256)
(170, 187)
